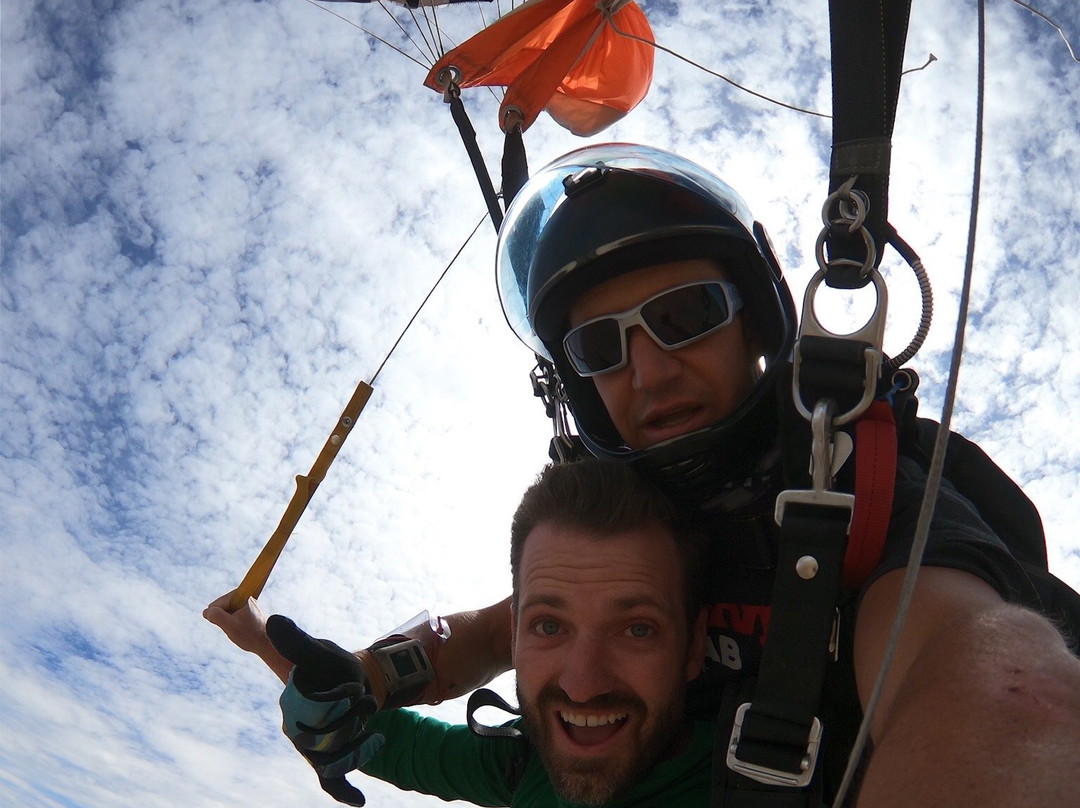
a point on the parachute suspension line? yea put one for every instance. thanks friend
(715, 74)
(937, 461)
(427, 297)
(1052, 24)
(433, 38)
(374, 36)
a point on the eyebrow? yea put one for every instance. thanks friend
(553, 601)
(625, 603)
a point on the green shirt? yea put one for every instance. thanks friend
(449, 761)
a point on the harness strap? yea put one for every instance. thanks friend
(515, 165)
(777, 734)
(868, 38)
(489, 698)
(875, 475)
(770, 750)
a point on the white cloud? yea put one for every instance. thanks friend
(217, 218)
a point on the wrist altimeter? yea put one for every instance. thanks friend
(404, 667)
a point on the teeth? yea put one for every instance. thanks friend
(591, 720)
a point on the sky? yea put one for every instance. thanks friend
(217, 218)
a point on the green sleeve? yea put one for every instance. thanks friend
(444, 760)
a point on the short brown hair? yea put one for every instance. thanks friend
(605, 498)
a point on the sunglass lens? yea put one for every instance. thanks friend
(683, 314)
(595, 346)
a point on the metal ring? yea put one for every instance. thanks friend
(845, 195)
(511, 117)
(449, 76)
(867, 265)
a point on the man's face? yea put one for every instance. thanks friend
(603, 655)
(661, 394)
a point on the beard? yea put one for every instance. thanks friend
(596, 781)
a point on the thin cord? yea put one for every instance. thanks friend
(937, 461)
(430, 38)
(1052, 24)
(364, 30)
(713, 73)
(929, 60)
(426, 298)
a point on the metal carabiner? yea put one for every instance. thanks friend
(826, 456)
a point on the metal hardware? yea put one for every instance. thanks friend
(872, 333)
(806, 567)
(512, 116)
(449, 76)
(822, 452)
(548, 387)
(765, 774)
(852, 206)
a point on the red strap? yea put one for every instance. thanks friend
(875, 473)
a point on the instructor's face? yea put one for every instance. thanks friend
(661, 394)
(603, 654)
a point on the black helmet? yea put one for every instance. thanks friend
(601, 211)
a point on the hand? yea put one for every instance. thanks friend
(246, 627)
(325, 706)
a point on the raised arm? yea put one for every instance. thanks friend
(477, 650)
(982, 703)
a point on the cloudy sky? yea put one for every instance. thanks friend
(217, 218)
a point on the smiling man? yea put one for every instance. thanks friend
(607, 631)
(608, 628)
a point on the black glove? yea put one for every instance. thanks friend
(325, 706)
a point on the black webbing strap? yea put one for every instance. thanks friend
(831, 367)
(489, 698)
(777, 732)
(468, 138)
(515, 166)
(868, 38)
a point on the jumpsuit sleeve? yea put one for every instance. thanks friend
(444, 760)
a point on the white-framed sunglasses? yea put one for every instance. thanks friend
(673, 318)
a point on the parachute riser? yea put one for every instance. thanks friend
(452, 96)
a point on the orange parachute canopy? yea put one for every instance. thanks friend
(586, 62)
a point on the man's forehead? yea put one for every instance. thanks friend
(637, 565)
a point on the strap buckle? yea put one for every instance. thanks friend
(827, 456)
(766, 774)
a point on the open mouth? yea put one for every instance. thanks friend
(591, 730)
(674, 421)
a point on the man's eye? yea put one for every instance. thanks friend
(548, 628)
(639, 630)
